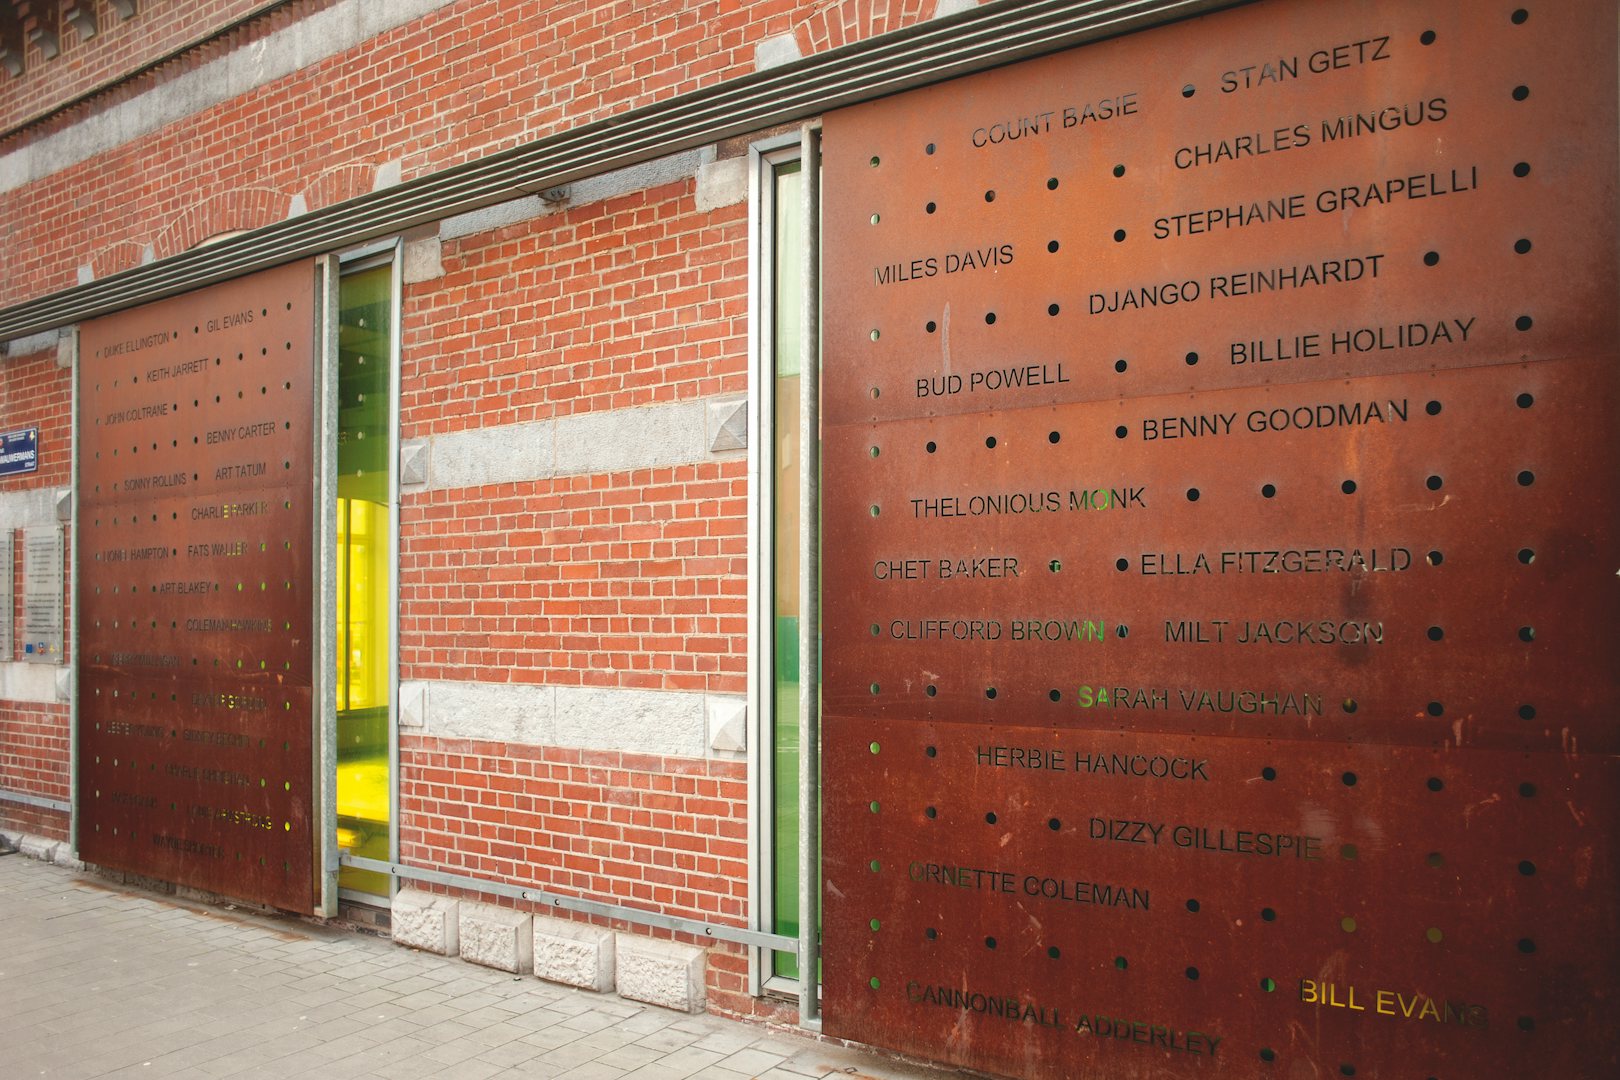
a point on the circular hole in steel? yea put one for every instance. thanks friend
(1053, 437)
(1268, 491)
(990, 818)
(931, 446)
(1434, 483)
(1192, 359)
(1436, 633)
(1122, 631)
(1119, 170)
(1435, 558)
(1526, 945)
(1434, 708)
(929, 149)
(1527, 712)
(1053, 952)
(1121, 431)
(1192, 974)
(1189, 90)
(1431, 258)
(1522, 169)
(1524, 401)
(1527, 790)
(1348, 487)
(1523, 322)
(932, 690)
(1193, 906)
(1348, 779)
(1434, 935)
(1527, 868)
(1521, 246)
(990, 692)
(1122, 565)
(1055, 695)
(1192, 494)
(1350, 705)
(1052, 309)
(1519, 16)
(990, 442)
(1052, 246)
(990, 318)
(990, 196)
(930, 326)
(1051, 183)
(1521, 92)
(930, 208)
(1434, 783)
(1054, 824)
(1268, 773)
(1119, 236)
(1527, 633)
(1432, 408)
(1427, 37)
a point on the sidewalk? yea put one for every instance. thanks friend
(98, 980)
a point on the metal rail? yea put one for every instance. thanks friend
(535, 895)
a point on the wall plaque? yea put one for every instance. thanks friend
(42, 594)
(19, 452)
(1220, 599)
(196, 588)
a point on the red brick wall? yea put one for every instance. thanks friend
(470, 79)
(633, 579)
(119, 47)
(35, 392)
(638, 300)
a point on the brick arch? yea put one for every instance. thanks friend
(227, 211)
(340, 182)
(839, 22)
(120, 255)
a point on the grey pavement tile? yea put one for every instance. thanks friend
(591, 1070)
(205, 994)
(630, 1057)
(752, 1061)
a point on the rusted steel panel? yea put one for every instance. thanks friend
(196, 589)
(1219, 608)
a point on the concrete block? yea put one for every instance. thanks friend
(497, 937)
(722, 183)
(776, 51)
(661, 972)
(574, 954)
(36, 847)
(427, 921)
(63, 855)
(728, 722)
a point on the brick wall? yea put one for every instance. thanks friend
(119, 47)
(466, 80)
(34, 736)
(629, 579)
